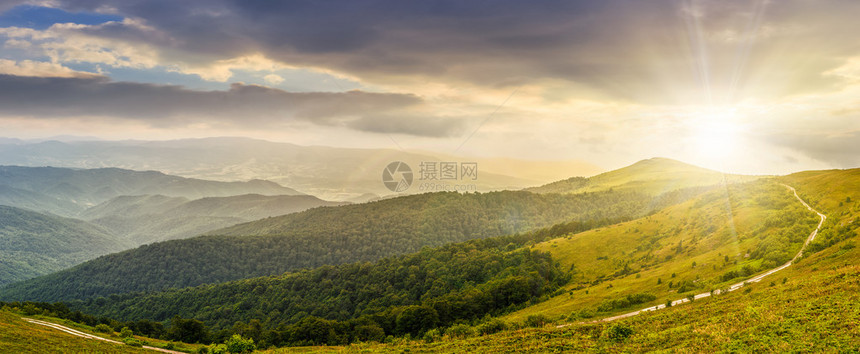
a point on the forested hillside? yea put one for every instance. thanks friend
(332, 235)
(150, 218)
(33, 244)
(395, 296)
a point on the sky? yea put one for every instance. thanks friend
(763, 87)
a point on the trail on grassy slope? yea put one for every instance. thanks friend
(737, 286)
(90, 336)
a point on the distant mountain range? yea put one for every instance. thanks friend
(119, 209)
(329, 173)
(68, 192)
(149, 218)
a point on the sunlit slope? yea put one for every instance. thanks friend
(815, 309)
(652, 176)
(696, 246)
(834, 192)
(19, 336)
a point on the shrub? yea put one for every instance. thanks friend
(538, 320)
(586, 313)
(237, 344)
(618, 332)
(460, 330)
(103, 328)
(493, 326)
(132, 342)
(432, 335)
(126, 333)
(217, 349)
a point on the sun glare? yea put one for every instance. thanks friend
(715, 135)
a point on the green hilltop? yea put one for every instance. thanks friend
(652, 176)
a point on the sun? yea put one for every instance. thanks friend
(716, 135)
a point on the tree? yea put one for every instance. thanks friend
(416, 319)
(238, 344)
(126, 333)
(103, 328)
(187, 330)
(313, 330)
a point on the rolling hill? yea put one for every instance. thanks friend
(330, 236)
(577, 272)
(150, 218)
(34, 244)
(653, 176)
(68, 192)
(810, 306)
(704, 243)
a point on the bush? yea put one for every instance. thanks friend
(618, 332)
(103, 328)
(493, 326)
(432, 335)
(217, 349)
(538, 320)
(369, 333)
(461, 330)
(126, 333)
(237, 344)
(132, 342)
(586, 313)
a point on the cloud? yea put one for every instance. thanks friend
(273, 79)
(37, 68)
(837, 149)
(166, 106)
(658, 51)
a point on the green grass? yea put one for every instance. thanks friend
(652, 176)
(812, 306)
(725, 223)
(817, 309)
(19, 336)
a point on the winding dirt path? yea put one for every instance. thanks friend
(734, 287)
(89, 336)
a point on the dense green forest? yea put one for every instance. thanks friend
(33, 244)
(331, 236)
(400, 295)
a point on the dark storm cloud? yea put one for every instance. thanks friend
(163, 105)
(635, 50)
